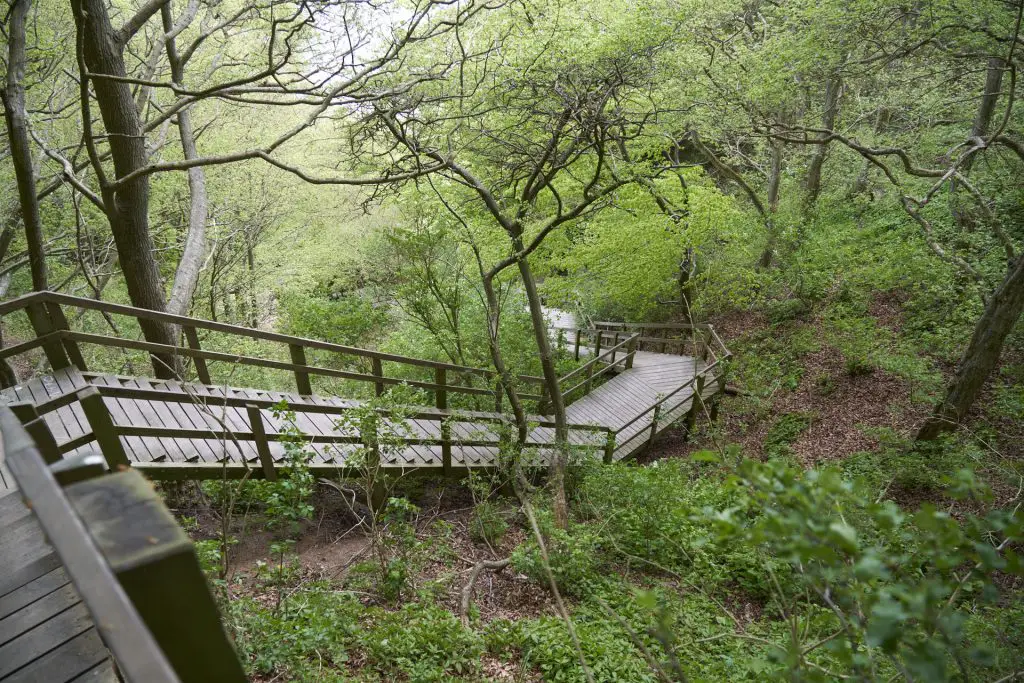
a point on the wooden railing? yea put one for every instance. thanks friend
(62, 348)
(122, 572)
(611, 352)
(107, 433)
(698, 340)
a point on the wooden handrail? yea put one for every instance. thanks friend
(138, 655)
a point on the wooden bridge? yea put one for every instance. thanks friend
(634, 381)
(87, 546)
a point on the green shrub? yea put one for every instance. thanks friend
(488, 524)
(575, 556)
(786, 430)
(420, 642)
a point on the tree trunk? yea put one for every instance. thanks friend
(828, 122)
(127, 208)
(774, 181)
(1001, 314)
(540, 333)
(186, 277)
(980, 128)
(16, 118)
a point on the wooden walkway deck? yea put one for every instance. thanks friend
(188, 407)
(46, 633)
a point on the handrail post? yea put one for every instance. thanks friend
(301, 378)
(609, 447)
(695, 404)
(706, 341)
(576, 353)
(664, 336)
(42, 325)
(441, 403)
(198, 362)
(378, 372)
(37, 429)
(597, 346)
(615, 342)
(631, 352)
(542, 404)
(103, 428)
(498, 390)
(259, 434)
(60, 322)
(654, 425)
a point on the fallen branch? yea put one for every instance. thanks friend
(467, 590)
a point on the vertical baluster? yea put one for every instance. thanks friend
(696, 404)
(654, 425)
(378, 372)
(42, 326)
(259, 433)
(200, 363)
(301, 378)
(60, 322)
(609, 447)
(631, 352)
(441, 403)
(103, 428)
(576, 349)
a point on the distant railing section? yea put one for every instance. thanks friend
(62, 348)
(698, 340)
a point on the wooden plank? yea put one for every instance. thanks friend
(123, 411)
(67, 662)
(198, 449)
(38, 611)
(36, 642)
(102, 673)
(153, 414)
(35, 589)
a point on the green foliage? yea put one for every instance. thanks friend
(575, 555)
(316, 631)
(786, 429)
(349, 319)
(900, 585)
(288, 498)
(488, 523)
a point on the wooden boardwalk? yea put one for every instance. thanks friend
(46, 632)
(633, 381)
(179, 406)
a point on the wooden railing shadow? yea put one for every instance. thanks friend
(133, 566)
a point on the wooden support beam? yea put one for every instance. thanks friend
(664, 335)
(631, 351)
(156, 565)
(42, 326)
(202, 371)
(576, 350)
(60, 322)
(615, 342)
(301, 378)
(441, 403)
(103, 428)
(259, 432)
